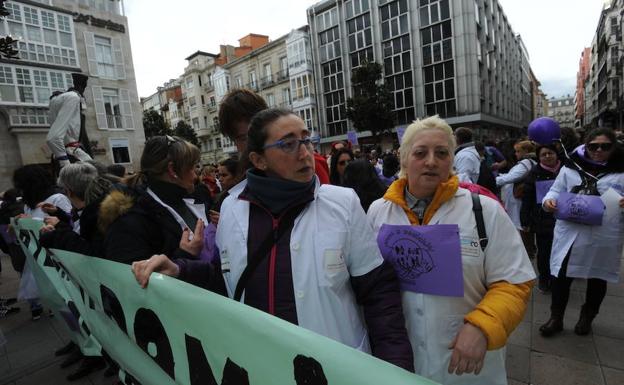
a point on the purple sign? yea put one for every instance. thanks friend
(427, 259)
(584, 209)
(400, 133)
(352, 137)
(541, 189)
(208, 252)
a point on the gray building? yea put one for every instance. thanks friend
(604, 102)
(56, 38)
(459, 59)
(563, 110)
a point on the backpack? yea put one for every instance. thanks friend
(477, 209)
(486, 177)
(518, 187)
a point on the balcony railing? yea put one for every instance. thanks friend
(253, 86)
(208, 87)
(282, 75)
(267, 81)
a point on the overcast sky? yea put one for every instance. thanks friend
(163, 33)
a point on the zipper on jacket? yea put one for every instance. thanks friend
(272, 259)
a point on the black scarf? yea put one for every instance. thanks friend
(276, 194)
(173, 195)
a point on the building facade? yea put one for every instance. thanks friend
(56, 38)
(563, 110)
(581, 79)
(458, 59)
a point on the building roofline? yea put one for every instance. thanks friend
(197, 53)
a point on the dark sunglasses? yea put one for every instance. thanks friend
(343, 162)
(595, 146)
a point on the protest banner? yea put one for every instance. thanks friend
(176, 333)
(353, 138)
(541, 189)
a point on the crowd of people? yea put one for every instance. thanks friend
(302, 236)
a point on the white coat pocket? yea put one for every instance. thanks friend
(331, 259)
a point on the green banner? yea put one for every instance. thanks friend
(176, 333)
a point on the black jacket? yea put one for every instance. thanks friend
(137, 227)
(531, 213)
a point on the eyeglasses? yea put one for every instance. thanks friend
(291, 145)
(343, 162)
(595, 146)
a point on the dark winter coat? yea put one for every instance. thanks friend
(531, 213)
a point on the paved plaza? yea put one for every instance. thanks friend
(27, 349)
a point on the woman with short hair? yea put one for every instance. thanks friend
(298, 250)
(590, 251)
(463, 330)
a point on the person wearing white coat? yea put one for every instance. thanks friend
(451, 336)
(592, 252)
(525, 153)
(300, 251)
(467, 161)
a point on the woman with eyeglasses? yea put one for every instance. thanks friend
(298, 250)
(580, 250)
(535, 220)
(155, 215)
(339, 162)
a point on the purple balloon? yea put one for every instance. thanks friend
(544, 131)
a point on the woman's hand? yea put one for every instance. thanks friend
(51, 221)
(469, 348)
(194, 246)
(550, 205)
(214, 217)
(157, 263)
(47, 208)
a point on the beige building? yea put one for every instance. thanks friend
(56, 38)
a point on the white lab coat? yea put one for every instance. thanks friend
(331, 241)
(596, 250)
(434, 321)
(467, 165)
(516, 174)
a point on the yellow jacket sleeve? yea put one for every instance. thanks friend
(500, 311)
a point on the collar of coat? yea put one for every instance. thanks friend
(444, 192)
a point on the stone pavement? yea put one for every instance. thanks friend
(27, 356)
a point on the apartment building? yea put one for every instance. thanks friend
(563, 110)
(458, 59)
(56, 38)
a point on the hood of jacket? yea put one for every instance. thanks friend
(113, 206)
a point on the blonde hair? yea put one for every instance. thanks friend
(526, 146)
(419, 126)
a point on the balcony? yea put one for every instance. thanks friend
(252, 86)
(209, 108)
(208, 87)
(282, 75)
(267, 81)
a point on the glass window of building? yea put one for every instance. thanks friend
(112, 107)
(104, 57)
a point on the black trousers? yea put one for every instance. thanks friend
(544, 247)
(595, 293)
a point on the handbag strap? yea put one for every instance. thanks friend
(478, 214)
(284, 224)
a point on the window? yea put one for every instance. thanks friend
(270, 98)
(394, 19)
(120, 150)
(360, 40)
(329, 44)
(112, 108)
(104, 57)
(192, 101)
(45, 36)
(239, 82)
(286, 96)
(213, 102)
(253, 81)
(218, 143)
(283, 63)
(189, 83)
(195, 123)
(306, 116)
(298, 53)
(333, 88)
(327, 19)
(355, 7)
(301, 86)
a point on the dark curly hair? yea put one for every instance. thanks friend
(35, 183)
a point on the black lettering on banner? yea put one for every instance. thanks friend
(149, 330)
(48, 261)
(308, 371)
(25, 237)
(200, 371)
(112, 307)
(130, 380)
(234, 374)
